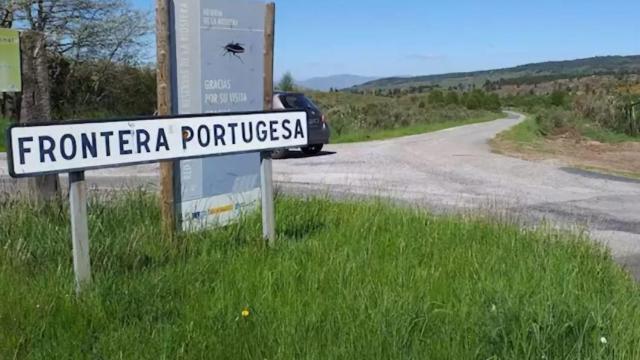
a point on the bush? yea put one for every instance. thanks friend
(605, 111)
(478, 99)
(556, 121)
(558, 98)
(558, 112)
(100, 89)
(352, 113)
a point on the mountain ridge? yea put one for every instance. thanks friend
(596, 65)
(339, 81)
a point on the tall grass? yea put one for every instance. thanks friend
(347, 280)
(598, 116)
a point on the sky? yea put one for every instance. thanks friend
(420, 37)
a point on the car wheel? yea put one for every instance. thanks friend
(312, 149)
(279, 153)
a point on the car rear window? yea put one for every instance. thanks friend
(297, 102)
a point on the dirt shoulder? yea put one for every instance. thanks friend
(613, 158)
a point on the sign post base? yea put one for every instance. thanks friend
(268, 207)
(79, 230)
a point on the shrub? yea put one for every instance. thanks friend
(352, 113)
(556, 121)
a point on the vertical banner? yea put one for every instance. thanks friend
(10, 71)
(218, 66)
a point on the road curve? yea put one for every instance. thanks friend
(455, 170)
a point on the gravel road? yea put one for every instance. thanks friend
(451, 170)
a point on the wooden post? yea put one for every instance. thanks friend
(266, 166)
(79, 230)
(163, 78)
(269, 42)
(36, 103)
(634, 120)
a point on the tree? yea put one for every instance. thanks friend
(82, 29)
(286, 82)
(436, 97)
(452, 98)
(492, 102)
(557, 98)
(78, 32)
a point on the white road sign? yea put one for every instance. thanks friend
(79, 146)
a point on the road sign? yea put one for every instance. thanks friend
(10, 72)
(218, 65)
(79, 146)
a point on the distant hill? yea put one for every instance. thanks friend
(545, 71)
(335, 82)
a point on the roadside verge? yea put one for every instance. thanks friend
(526, 142)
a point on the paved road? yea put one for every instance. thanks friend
(452, 170)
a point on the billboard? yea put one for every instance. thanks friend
(10, 72)
(218, 66)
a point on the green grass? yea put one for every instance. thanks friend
(410, 129)
(525, 134)
(346, 281)
(528, 133)
(4, 123)
(606, 136)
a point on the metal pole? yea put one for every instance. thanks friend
(268, 207)
(79, 230)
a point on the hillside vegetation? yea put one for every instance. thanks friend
(358, 117)
(347, 280)
(599, 116)
(595, 131)
(537, 72)
(4, 124)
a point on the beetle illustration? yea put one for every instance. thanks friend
(234, 49)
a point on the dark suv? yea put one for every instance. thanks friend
(319, 131)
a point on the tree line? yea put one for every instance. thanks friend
(95, 54)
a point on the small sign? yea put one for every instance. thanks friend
(78, 146)
(10, 72)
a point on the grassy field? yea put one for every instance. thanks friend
(365, 135)
(3, 127)
(347, 280)
(357, 117)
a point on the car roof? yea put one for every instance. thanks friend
(287, 93)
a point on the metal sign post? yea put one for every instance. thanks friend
(79, 229)
(268, 207)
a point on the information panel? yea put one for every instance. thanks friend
(218, 67)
